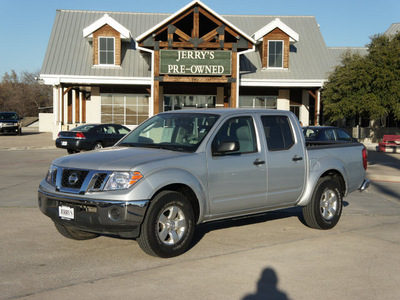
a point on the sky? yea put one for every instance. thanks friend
(25, 25)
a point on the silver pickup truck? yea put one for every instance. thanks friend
(182, 168)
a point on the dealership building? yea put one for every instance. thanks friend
(124, 67)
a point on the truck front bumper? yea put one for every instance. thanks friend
(122, 218)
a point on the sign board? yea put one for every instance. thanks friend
(195, 62)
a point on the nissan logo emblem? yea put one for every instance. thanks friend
(73, 179)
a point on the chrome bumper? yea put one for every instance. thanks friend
(364, 185)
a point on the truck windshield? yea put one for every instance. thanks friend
(177, 132)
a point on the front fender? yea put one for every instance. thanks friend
(154, 182)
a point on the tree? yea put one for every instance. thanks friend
(24, 95)
(367, 86)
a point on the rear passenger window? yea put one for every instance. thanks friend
(278, 132)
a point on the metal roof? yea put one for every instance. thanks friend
(393, 29)
(337, 52)
(70, 54)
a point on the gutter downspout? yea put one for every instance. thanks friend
(151, 104)
(238, 72)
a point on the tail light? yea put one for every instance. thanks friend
(80, 135)
(365, 156)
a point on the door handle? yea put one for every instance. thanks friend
(258, 162)
(297, 158)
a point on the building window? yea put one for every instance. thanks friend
(106, 51)
(275, 54)
(269, 102)
(175, 102)
(124, 109)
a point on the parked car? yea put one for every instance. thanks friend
(179, 169)
(10, 122)
(326, 134)
(90, 137)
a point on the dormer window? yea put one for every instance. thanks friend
(106, 50)
(106, 36)
(275, 54)
(274, 41)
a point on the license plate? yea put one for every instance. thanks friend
(66, 212)
(64, 143)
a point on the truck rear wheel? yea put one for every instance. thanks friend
(325, 208)
(168, 227)
(74, 234)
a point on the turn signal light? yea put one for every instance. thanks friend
(135, 177)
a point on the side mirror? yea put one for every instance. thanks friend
(227, 147)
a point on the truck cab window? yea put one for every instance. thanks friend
(278, 133)
(240, 129)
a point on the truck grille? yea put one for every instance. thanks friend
(79, 181)
(73, 178)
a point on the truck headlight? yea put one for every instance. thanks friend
(122, 180)
(51, 175)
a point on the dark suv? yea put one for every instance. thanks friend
(10, 122)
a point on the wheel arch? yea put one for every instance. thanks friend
(187, 192)
(335, 174)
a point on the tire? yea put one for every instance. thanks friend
(168, 227)
(97, 145)
(74, 234)
(325, 208)
(71, 151)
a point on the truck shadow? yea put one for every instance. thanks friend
(203, 229)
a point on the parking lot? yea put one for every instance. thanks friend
(268, 256)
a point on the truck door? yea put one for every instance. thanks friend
(285, 161)
(237, 179)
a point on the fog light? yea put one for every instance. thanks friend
(114, 214)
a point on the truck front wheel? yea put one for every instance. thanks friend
(325, 208)
(168, 227)
(74, 234)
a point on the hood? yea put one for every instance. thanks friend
(115, 158)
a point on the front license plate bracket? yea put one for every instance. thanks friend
(66, 212)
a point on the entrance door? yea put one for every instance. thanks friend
(176, 102)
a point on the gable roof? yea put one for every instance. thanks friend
(277, 23)
(106, 19)
(183, 9)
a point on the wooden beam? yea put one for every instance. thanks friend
(182, 34)
(196, 25)
(77, 119)
(156, 95)
(83, 107)
(67, 90)
(234, 82)
(211, 17)
(177, 45)
(216, 45)
(209, 36)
